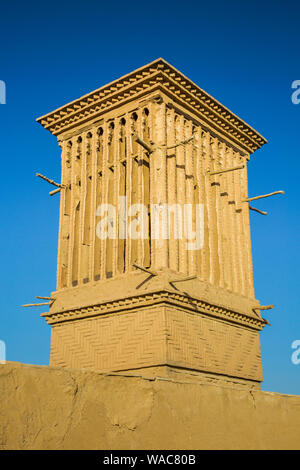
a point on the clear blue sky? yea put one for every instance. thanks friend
(244, 53)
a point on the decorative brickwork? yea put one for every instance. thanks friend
(155, 336)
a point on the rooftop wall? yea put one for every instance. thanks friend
(55, 408)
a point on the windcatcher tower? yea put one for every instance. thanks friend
(148, 304)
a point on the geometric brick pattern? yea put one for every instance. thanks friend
(158, 335)
(202, 343)
(111, 342)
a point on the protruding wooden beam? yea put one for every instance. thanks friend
(264, 307)
(225, 170)
(182, 142)
(153, 273)
(44, 298)
(54, 191)
(37, 305)
(261, 197)
(184, 279)
(146, 146)
(58, 185)
(258, 210)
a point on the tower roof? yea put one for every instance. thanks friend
(157, 74)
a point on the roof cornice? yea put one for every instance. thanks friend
(156, 74)
(178, 299)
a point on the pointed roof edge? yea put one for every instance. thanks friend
(107, 85)
(62, 118)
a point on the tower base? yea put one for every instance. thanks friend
(163, 333)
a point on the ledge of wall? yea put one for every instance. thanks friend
(56, 408)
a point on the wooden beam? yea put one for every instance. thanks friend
(140, 141)
(153, 273)
(258, 210)
(36, 305)
(225, 170)
(184, 279)
(58, 185)
(54, 191)
(264, 307)
(261, 197)
(182, 142)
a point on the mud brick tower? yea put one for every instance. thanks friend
(149, 304)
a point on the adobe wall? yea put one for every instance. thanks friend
(56, 408)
